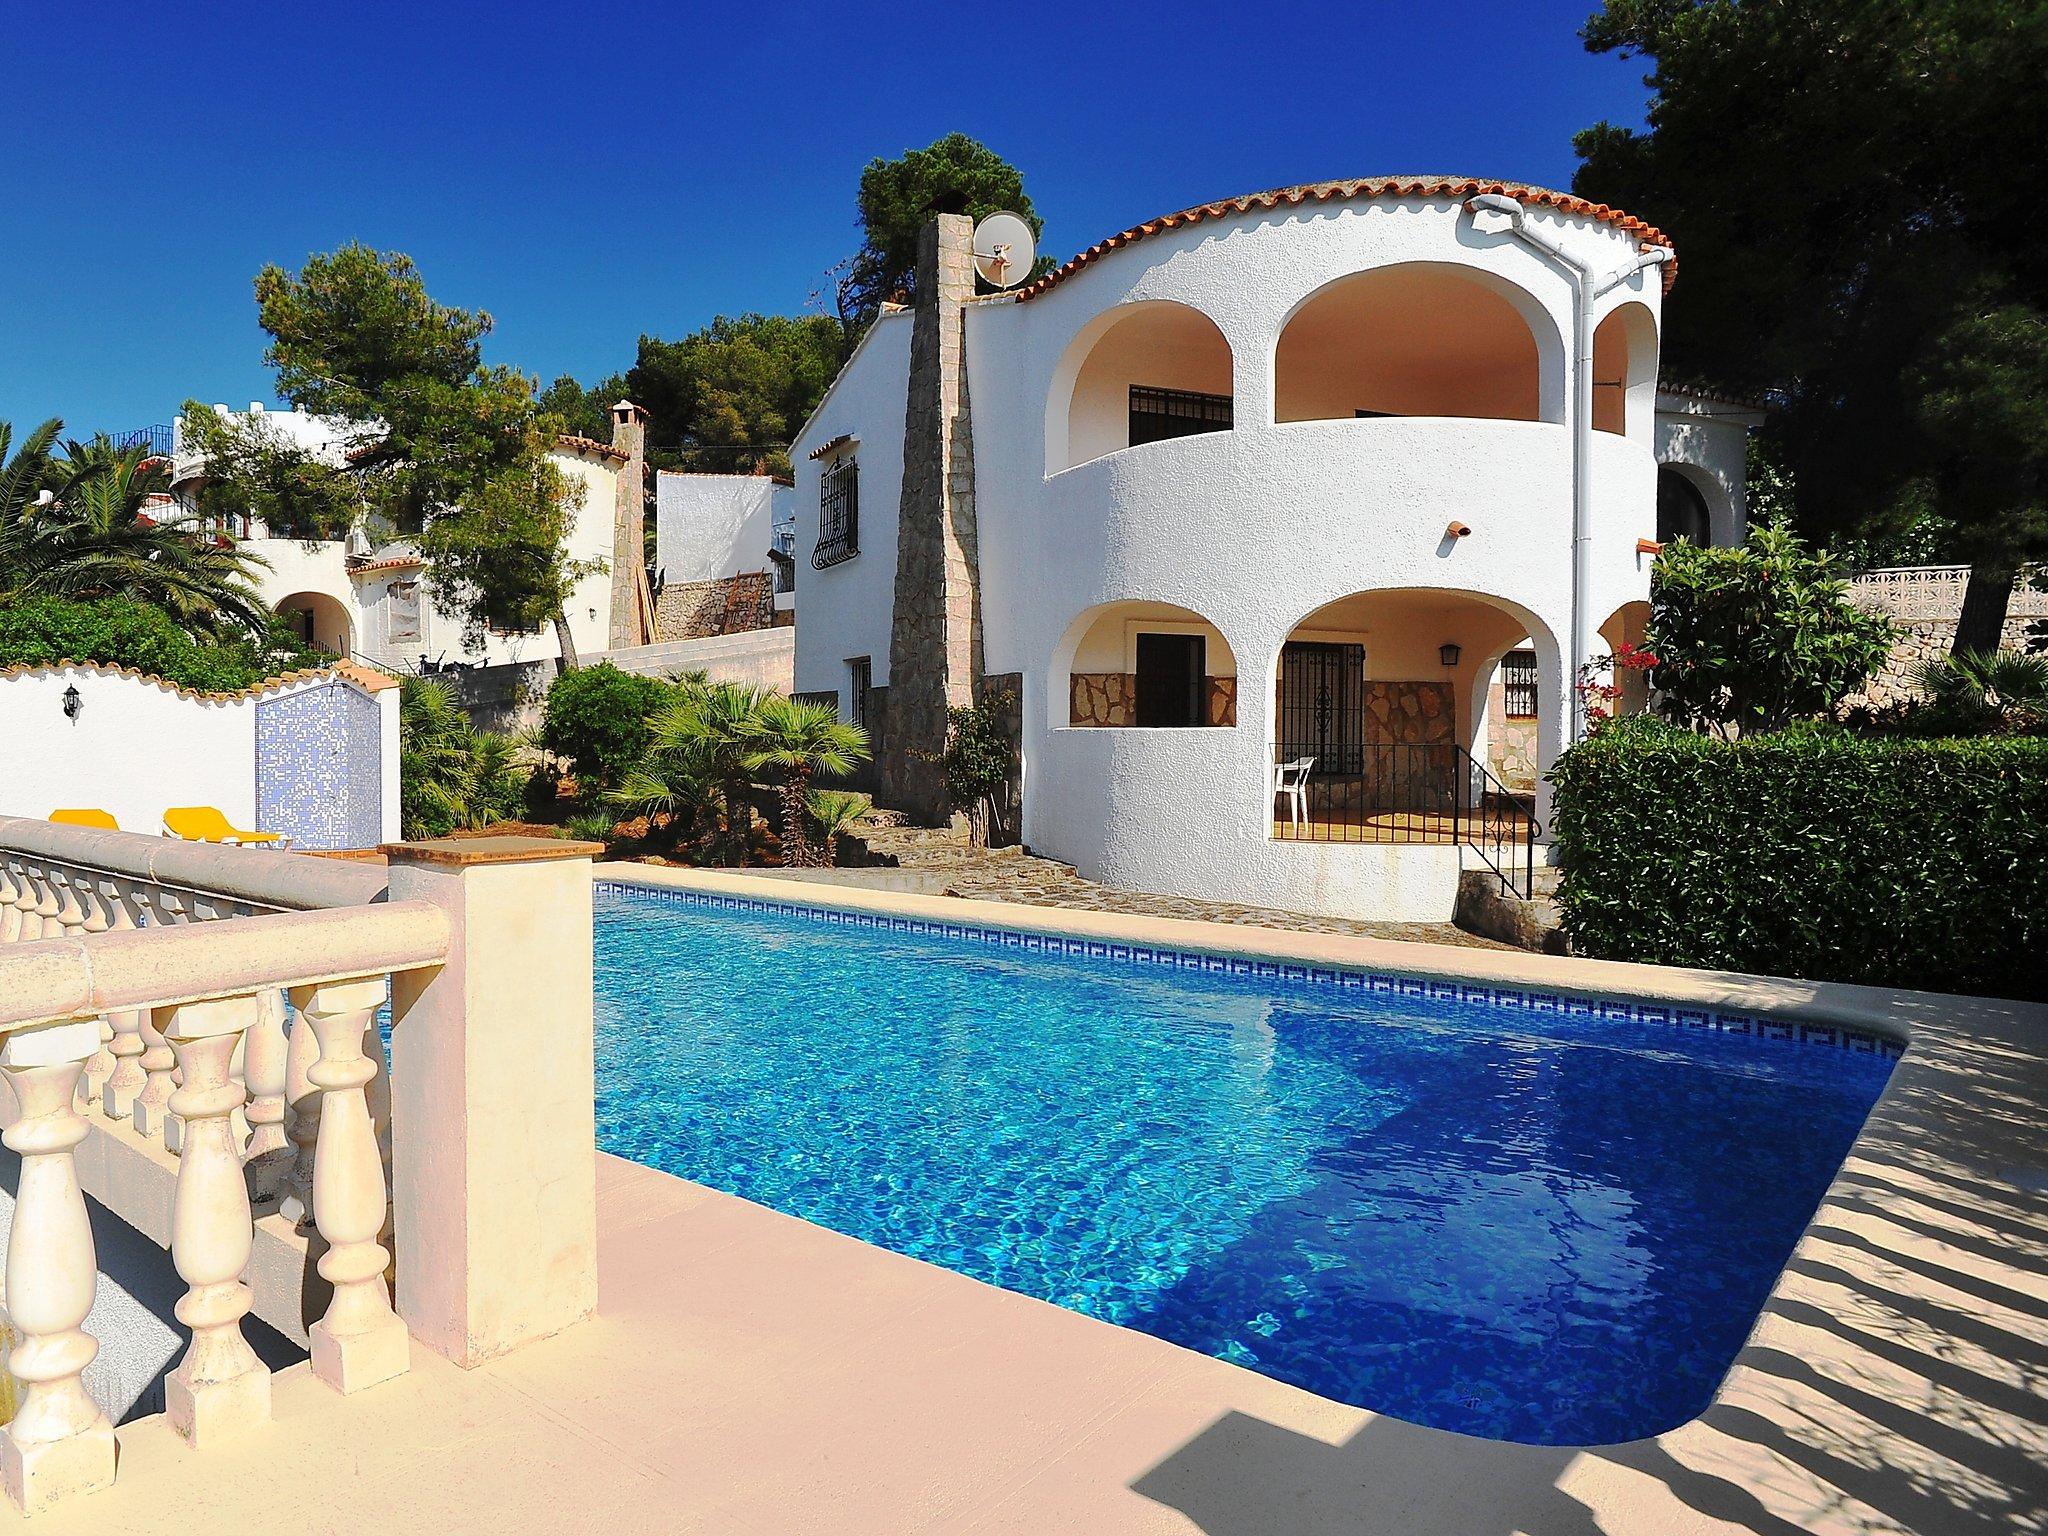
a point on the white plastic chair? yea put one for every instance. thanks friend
(1291, 780)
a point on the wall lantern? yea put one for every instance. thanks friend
(72, 703)
(1448, 654)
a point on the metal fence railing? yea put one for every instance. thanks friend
(1396, 792)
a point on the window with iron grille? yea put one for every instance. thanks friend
(1157, 414)
(860, 677)
(838, 514)
(1518, 673)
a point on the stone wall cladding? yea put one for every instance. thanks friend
(1926, 602)
(1111, 698)
(730, 605)
(1409, 714)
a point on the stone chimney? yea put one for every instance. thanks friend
(935, 636)
(632, 605)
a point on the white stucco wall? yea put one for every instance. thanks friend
(711, 526)
(1253, 529)
(139, 746)
(845, 609)
(1708, 442)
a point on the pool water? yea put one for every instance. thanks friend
(1531, 1226)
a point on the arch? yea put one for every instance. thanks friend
(1625, 371)
(1169, 349)
(1628, 625)
(1142, 663)
(1360, 685)
(319, 620)
(1422, 338)
(1682, 511)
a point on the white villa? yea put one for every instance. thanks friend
(365, 600)
(1290, 484)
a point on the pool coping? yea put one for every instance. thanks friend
(1826, 1420)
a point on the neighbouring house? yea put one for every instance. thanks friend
(723, 562)
(364, 597)
(1304, 490)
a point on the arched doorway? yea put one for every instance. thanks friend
(1379, 716)
(1681, 509)
(319, 621)
(1628, 626)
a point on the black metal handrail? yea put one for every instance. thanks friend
(1400, 792)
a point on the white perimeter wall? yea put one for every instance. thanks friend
(712, 526)
(138, 746)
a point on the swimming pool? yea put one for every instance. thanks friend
(1498, 1212)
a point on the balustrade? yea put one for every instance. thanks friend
(137, 994)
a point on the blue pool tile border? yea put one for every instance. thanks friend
(1752, 1026)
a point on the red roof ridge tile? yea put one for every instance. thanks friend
(368, 679)
(1460, 187)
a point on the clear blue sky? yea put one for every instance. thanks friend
(590, 172)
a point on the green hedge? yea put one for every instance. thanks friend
(1811, 854)
(120, 632)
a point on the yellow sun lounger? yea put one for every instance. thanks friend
(206, 824)
(86, 816)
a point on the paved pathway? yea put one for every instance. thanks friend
(1007, 875)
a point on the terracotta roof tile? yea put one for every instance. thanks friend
(577, 444)
(1460, 187)
(826, 447)
(369, 679)
(396, 562)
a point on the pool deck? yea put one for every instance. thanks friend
(749, 1372)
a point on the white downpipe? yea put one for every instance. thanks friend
(1585, 289)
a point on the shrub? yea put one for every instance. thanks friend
(121, 632)
(1809, 853)
(596, 718)
(1756, 637)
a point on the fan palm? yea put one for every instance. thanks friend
(451, 774)
(103, 535)
(2007, 690)
(833, 811)
(699, 759)
(802, 740)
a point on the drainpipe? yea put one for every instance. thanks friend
(1491, 213)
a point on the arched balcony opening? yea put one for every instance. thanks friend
(1137, 374)
(1143, 664)
(1625, 372)
(318, 620)
(1628, 626)
(1381, 717)
(1684, 510)
(1419, 339)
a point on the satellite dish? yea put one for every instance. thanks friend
(1005, 250)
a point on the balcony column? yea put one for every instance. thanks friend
(59, 1443)
(494, 1166)
(268, 1155)
(85, 892)
(153, 1113)
(220, 1389)
(13, 887)
(360, 1341)
(302, 1119)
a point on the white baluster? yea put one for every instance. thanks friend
(302, 1119)
(10, 889)
(48, 906)
(269, 1154)
(84, 886)
(360, 1341)
(153, 1113)
(220, 1388)
(59, 1442)
(119, 1092)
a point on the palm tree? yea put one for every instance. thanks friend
(452, 775)
(699, 759)
(802, 739)
(2005, 690)
(99, 532)
(834, 810)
